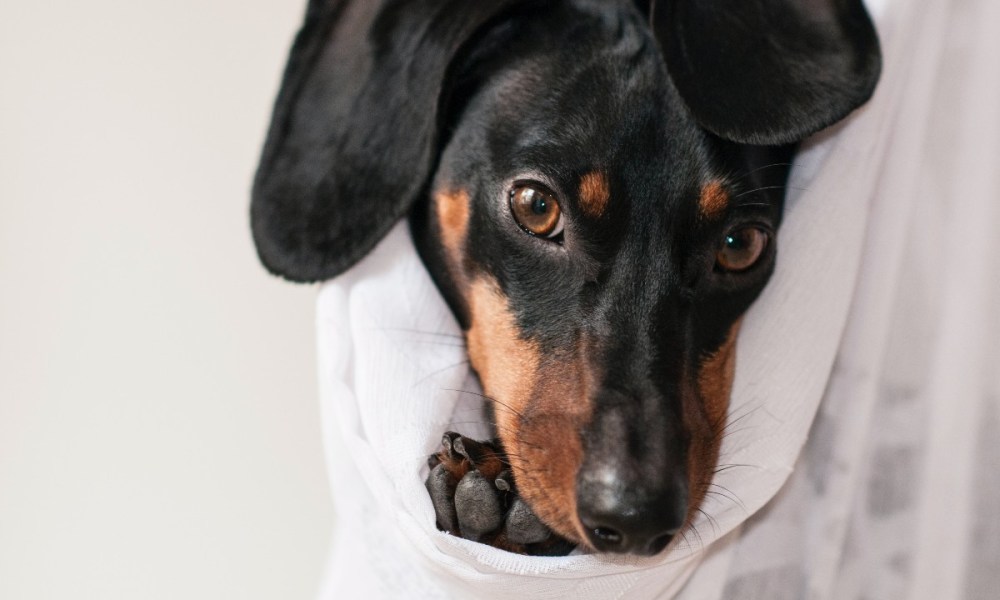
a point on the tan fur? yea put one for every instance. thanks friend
(540, 407)
(594, 194)
(507, 364)
(713, 200)
(705, 417)
(452, 209)
(549, 437)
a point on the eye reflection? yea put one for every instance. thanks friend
(742, 248)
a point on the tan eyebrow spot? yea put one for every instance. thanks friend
(452, 207)
(594, 194)
(713, 200)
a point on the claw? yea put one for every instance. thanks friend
(505, 481)
(448, 443)
(476, 452)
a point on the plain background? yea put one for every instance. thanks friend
(159, 432)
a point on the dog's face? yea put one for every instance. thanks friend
(598, 247)
(597, 237)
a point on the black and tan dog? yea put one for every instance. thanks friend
(595, 187)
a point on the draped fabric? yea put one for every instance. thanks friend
(863, 461)
(897, 492)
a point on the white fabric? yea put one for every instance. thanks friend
(880, 308)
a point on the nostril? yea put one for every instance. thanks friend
(658, 544)
(622, 527)
(608, 535)
(621, 514)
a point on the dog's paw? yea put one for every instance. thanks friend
(474, 496)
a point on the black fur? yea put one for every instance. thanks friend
(769, 71)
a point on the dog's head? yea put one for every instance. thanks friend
(595, 186)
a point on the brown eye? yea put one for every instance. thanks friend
(742, 248)
(536, 210)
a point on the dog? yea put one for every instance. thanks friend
(595, 187)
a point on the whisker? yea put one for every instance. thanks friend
(485, 397)
(747, 174)
(697, 534)
(421, 332)
(712, 521)
(686, 545)
(722, 468)
(504, 459)
(727, 434)
(438, 371)
(726, 429)
(436, 343)
(483, 422)
(731, 496)
(769, 187)
(495, 425)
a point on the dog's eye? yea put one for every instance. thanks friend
(536, 211)
(742, 248)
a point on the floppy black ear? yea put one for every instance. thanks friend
(354, 131)
(768, 71)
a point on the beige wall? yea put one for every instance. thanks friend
(159, 433)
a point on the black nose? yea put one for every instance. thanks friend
(640, 518)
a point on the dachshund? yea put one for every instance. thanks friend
(595, 187)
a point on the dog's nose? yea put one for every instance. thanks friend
(630, 517)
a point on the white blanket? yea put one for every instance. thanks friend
(873, 341)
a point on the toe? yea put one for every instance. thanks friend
(477, 506)
(523, 527)
(441, 486)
